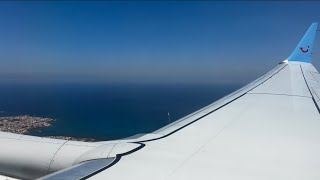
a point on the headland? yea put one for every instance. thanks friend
(24, 124)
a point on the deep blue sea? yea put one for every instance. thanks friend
(104, 111)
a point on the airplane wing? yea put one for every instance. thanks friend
(269, 129)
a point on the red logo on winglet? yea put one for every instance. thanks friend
(304, 51)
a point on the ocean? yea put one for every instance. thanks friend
(106, 111)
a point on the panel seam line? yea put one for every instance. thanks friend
(55, 155)
(276, 94)
(314, 101)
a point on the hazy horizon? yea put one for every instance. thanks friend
(149, 42)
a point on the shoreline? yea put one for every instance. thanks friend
(24, 124)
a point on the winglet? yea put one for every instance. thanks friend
(303, 51)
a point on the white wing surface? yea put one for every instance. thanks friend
(270, 129)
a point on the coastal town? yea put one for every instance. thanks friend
(23, 124)
(26, 123)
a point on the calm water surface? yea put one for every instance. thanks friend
(107, 112)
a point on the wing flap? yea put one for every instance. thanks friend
(81, 170)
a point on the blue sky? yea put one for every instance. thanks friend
(149, 42)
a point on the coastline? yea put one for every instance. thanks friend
(24, 124)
